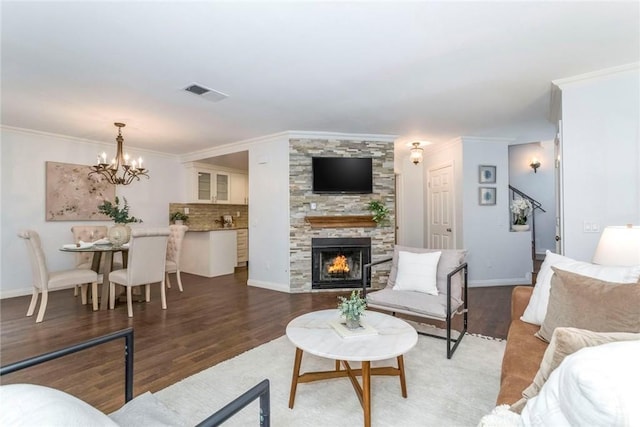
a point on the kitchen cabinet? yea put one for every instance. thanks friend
(209, 253)
(207, 185)
(243, 246)
(222, 193)
(239, 189)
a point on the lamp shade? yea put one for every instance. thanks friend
(618, 245)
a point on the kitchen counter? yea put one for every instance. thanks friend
(209, 253)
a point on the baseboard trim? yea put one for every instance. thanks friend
(16, 293)
(499, 282)
(269, 285)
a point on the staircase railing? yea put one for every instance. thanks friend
(535, 205)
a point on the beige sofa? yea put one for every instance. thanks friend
(523, 351)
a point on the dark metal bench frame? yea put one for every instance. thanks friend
(260, 390)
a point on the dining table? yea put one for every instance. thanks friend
(98, 250)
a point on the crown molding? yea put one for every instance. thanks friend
(340, 135)
(75, 139)
(246, 144)
(634, 66)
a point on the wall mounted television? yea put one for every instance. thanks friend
(342, 175)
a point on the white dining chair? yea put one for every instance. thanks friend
(89, 233)
(174, 248)
(145, 265)
(45, 280)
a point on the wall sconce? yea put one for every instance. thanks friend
(535, 164)
(416, 153)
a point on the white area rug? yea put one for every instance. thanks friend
(441, 391)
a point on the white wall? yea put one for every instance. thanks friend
(496, 255)
(409, 200)
(269, 213)
(600, 156)
(539, 185)
(24, 154)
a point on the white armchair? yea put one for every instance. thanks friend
(434, 288)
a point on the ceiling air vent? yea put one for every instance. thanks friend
(206, 93)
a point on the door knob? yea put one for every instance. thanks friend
(557, 238)
(449, 230)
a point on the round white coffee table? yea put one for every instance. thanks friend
(313, 333)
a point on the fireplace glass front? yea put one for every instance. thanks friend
(338, 262)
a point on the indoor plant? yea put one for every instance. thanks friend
(178, 217)
(352, 308)
(120, 232)
(379, 210)
(521, 209)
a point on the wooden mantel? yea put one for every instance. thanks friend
(347, 221)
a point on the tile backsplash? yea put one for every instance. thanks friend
(202, 216)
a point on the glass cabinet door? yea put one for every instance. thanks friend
(222, 194)
(204, 186)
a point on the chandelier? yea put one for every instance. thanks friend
(120, 170)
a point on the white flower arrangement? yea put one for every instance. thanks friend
(521, 208)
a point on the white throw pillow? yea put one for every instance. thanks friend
(36, 405)
(537, 307)
(417, 272)
(596, 386)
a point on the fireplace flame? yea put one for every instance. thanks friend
(339, 265)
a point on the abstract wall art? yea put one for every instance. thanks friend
(73, 195)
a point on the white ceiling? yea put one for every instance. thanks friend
(420, 70)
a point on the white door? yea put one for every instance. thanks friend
(558, 182)
(440, 208)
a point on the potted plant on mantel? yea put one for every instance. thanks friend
(120, 233)
(352, 308)
(178, 218)
(379, 211)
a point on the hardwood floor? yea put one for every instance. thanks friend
(211, 321)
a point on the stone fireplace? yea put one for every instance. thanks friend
(343, 212)
(338, 262)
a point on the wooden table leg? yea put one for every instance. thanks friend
(366, 392)
(108, 263)
(95, 262)
(403, 381)
(296, 375)
(95, 266)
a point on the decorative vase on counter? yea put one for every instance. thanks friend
(520, 227)
(119, 234)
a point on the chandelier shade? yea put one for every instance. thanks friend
(416, 153)
(121, 171)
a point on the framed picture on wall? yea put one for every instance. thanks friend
(487, 196)
(487, 174)
(73, 195)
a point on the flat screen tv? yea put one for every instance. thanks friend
(342, 175)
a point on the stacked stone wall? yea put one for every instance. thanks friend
(301, 196)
